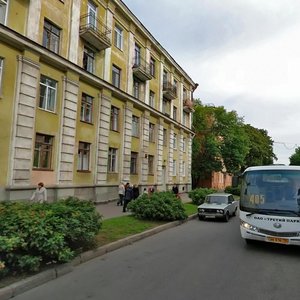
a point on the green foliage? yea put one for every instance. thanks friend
(261, 148)
(35, 234)
(233, 190)
(198, 195)
(295, 158)
(160, 206)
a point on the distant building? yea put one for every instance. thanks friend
(88, 98)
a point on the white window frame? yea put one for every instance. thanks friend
(152, 99)
(86, 112)
(116, 76)
(51, 36)
(151, 132)
(135, 126)
(88, 61)
(4, 3)
(133, 163)
(114, 118)
(43, 151)
(112, 160)
(84, 151)
(174, 168)
(174, 140)
(92, 15)
(118, 38)
(49, 90)
(183, 168)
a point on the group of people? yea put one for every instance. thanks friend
(127, 193)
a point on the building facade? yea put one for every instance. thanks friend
(88, 98)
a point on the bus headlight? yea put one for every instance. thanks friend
(248, 226)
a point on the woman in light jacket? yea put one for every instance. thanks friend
(40, 194)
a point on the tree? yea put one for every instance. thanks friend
(260, 147)
(295, 158)
(220, 141)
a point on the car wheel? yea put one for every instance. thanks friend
(226, 217)
(201, 218)
(234, 213)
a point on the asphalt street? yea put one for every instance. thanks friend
(197, 260)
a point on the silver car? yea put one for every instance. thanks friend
(218, 205)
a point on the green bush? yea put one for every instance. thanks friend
(198, 195)
(33, 234)
(160, 206)
(233, 190)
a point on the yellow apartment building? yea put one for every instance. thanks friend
(89, 98)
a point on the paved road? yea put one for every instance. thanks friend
(197, 260)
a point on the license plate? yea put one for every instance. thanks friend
(277, 240)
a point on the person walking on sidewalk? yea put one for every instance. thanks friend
(128, 195)
(121, 194)
(136, 191)
(40, 194)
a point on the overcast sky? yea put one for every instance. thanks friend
(244, 54)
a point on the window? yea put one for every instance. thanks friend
(86, 112)
(165, 107)
(184, 94)
(92, 15)
(174, 168)
(151, 132)
(116, 76)
(150, 164)
(112, 160)
(133, 163)
(48, 89)
(152, 66)
(88, 59)
(137, 55)
(165, 76)
(118, 39)
(114, 119)
(184, 144)
(1, 72)
(152, 99)
(83, 156)
(175, 113)
(165, 137)
(175, 141)
(185, 118)
(183, 168)
(136, 88)
(3, 11)
(135, 126)
(51, 37)
(42, 151)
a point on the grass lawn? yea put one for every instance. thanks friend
(120, 227)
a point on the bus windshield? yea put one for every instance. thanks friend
(271, 191)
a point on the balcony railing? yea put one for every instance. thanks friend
(188, 105)
(141, 69)
(169, 90)
(94, 32)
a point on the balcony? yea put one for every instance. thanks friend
(93, 31)
(188, 105)
(141, 69)
(169, 90)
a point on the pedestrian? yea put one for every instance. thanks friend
(136, 191)
(128, 195)
(175, 190)
(121, 194)
(151, 190)
(40, 194)
(145, 191)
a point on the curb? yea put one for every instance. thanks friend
(29, 283)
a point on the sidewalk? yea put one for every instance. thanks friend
(111, 209)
